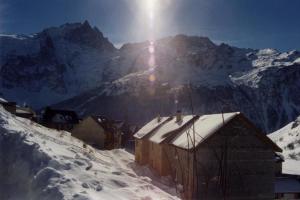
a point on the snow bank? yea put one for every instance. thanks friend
(41, 163)
(288, 139)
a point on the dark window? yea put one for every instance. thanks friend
(279, 195)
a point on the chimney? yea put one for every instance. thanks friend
(158, 118)
(178, 116)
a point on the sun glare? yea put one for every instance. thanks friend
(151, 4)
(151, 8)
(151, 15)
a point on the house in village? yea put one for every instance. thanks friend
(8, 106)
(59, 119)
(210, 156)
(26, 112)
(13, 108)
(100, 132)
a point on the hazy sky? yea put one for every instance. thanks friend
(243, 23)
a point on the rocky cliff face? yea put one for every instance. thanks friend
(182, 72)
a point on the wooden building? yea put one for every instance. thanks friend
(26, 112)
(99, 132)
(13, 108)
(150, 147)
(9, 106)
(59, 119)
(211, 157)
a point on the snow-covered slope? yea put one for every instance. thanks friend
(41, 163)
(288, 138)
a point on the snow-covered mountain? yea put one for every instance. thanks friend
(52, 65)
(75, 59)
(203, 78)
(288, 138)
(41, 163)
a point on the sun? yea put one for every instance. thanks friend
(151, 5)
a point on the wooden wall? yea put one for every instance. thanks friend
(152, 154)
(142, 151)
(248, 170)
(158, 159)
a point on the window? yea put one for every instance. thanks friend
(279, 195)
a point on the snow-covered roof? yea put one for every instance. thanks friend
(150, 127)
(192, 130)
(287, 185)
(205, 126)
(161, 133)
(23, 111)
(2, 100)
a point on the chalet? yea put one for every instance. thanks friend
(26, 112)
(218, 156)
(9, 106)
(99, 132)
(150, 147)
(59, 119)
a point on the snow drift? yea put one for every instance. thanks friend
(288, 138)
(41, 163)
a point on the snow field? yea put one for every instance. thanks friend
(41, 163)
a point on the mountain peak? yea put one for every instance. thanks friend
(86, 23)
(81, 33)
(193, 40)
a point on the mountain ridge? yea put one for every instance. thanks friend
(76, 61)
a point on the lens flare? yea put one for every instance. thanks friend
(152, 78)
(151, 61)
(151, 7)
(151, 49)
